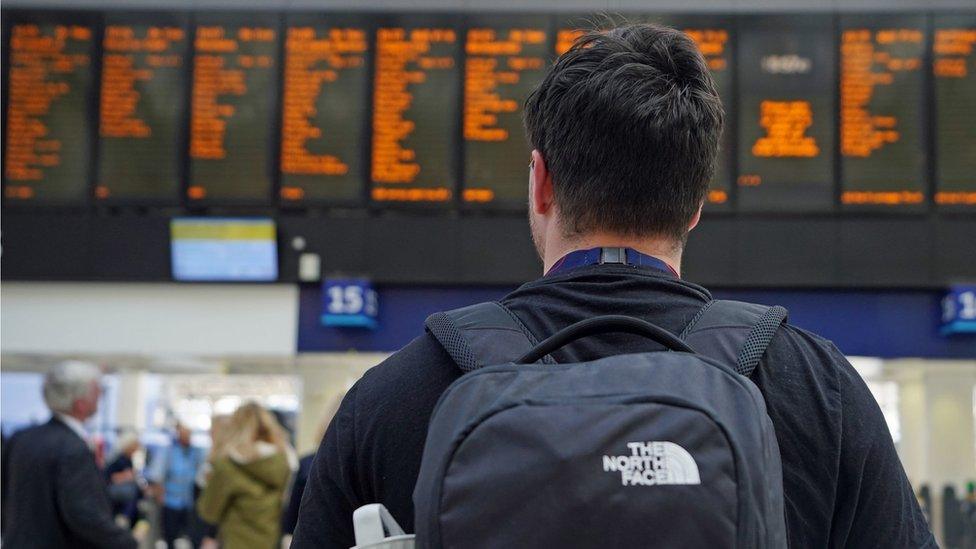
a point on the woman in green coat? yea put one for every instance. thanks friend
(245, 491)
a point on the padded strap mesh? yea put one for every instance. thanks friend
(481, 335)
(443, 329)
(758, 340)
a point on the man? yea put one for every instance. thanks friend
(53, 493)
(173, 476)
(625, 130)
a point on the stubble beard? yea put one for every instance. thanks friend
(536, 237)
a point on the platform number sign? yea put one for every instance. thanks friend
(349, 302)
(959, 310)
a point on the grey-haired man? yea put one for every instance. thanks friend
(53, 493)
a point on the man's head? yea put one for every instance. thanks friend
(72, 388)
(183, 434)
(625, 130)
(128, 443)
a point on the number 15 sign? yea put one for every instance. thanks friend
(959, 310)
(349, 302)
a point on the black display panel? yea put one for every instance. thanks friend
(954, 71)
(786, 117)
(714, 36)
(415, 110)
(47, 124)
(142, 107)
(882, 110)
(505, 59)
(325, 96)
(232, 132)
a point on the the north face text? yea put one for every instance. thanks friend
(653, 463)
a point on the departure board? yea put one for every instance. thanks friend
(324, 106)
(786, 113)
(713, 35)
(954, 71)
(505, 59)
(141, 107)
(415, 110)
(233, 108)
(47, 146)
(882, 105)
(865, 112)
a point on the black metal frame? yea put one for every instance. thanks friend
(457, 243)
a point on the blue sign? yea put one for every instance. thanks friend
(959, 310)
(349, 303)
(880, 323)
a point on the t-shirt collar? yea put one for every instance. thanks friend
(613, 256)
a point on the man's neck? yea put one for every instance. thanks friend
(664, 250)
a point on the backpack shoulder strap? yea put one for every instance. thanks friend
(481, 334)
(734, 332)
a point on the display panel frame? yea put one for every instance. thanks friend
(181, 18)
(827, 186)
(923, 110)
(326, 19)
(505, 206)
(452, 20)
(269, 17)
(932, 125)
(93, 20)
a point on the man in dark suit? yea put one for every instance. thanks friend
(53, 493)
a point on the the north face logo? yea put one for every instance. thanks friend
(653, 463)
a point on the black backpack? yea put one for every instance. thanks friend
(664, 449)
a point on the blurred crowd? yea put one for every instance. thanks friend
(189, 496)
(242, 492)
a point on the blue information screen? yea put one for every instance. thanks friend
(224, 250)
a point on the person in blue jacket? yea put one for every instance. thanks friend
(173, 473)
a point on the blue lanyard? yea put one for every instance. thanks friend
(613, 256)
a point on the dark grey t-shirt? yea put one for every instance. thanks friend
(843, 481)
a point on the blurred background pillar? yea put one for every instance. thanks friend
(951, 446)
(325, 379)
(133, 392)
(913, 448)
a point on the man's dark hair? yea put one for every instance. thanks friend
(628, 122)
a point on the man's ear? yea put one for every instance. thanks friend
(697, 217)
(541, 185)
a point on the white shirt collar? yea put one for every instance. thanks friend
(73, 424)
